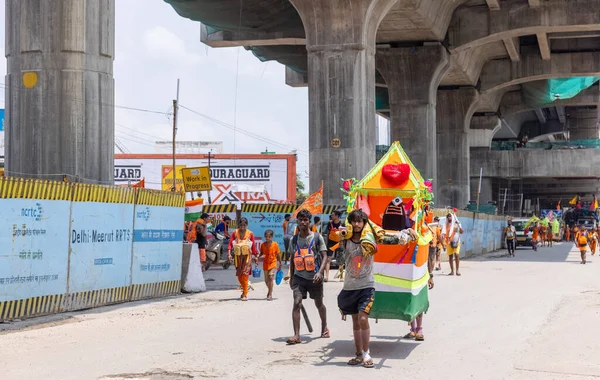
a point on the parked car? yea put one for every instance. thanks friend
(523, 239)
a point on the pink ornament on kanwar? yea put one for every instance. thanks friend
(347, 184)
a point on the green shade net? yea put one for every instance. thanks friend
(541, 93)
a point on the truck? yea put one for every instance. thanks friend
(585, 217)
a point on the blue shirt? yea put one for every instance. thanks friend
(221, 228)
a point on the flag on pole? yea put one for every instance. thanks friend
(558, 205)
(574, 200)
(594, 204)
(314, 203)
(141, 184)
(193, 209)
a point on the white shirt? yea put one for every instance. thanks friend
(446, 230)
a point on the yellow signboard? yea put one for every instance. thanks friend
(197, 179)
(167, 177)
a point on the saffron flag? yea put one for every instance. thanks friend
(193, 209)
(558, 205)
(314, 203)
(574, 200)
(141, 184)
(594, 204)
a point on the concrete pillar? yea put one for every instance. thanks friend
(486, 194)
(340, 40)
(455, 109)
(60, 89)
(413, 75)
(482, 131)
(583, 124)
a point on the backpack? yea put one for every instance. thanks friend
(314, 247)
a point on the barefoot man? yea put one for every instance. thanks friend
(451, 238)
(309, 255)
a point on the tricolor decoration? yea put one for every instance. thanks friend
(193, 210)
(401, 273)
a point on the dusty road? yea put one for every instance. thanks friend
(536, 316)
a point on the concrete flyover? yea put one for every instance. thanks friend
(477, 35)
(512, 103)
(536, 163)
(443, 68)
(501, 73)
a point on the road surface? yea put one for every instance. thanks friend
(535, 316)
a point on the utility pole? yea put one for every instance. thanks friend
(209, 155)
(175, 109)
(174, 188)
(479, 189)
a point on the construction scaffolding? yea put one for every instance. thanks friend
(510, 203)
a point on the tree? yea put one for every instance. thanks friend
(300, 190)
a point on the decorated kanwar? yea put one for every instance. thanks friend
(396, 200)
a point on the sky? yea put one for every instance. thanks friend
(155, 47)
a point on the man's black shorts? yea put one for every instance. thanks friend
(301, 286)
(351, 301)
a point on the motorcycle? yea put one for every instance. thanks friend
(216, 251)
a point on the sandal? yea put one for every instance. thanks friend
(410, 335)
(293, 340)
(244, 298)
(368, 363)
(356, 360)
(326, 334)
(419, 336)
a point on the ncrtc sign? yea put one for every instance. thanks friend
(126, 173)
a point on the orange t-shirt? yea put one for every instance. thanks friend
(270, 253)
(536, 233)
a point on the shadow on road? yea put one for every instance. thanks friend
(558, 253)
(338, 352)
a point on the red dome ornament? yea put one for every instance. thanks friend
(397, 174)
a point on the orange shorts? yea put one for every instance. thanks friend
(202, 254)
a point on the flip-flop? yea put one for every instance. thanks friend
(293, 340)
(419, 337)
(368, 363)
(356, 360)
(410, 335)
(326, 334)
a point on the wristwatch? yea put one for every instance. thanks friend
(431, 275)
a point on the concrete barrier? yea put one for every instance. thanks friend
(192, 278)
(72, 246)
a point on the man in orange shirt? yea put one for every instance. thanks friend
(582, 241)
(272, 261)
(316, 227)
(535, 237)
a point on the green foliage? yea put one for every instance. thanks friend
(300, 190)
